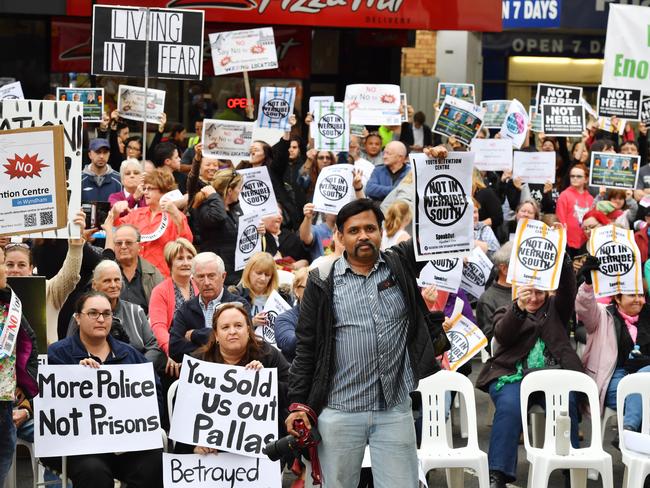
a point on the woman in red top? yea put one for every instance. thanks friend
(572, 205)
(158, 222)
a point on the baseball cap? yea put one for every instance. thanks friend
(97, 144)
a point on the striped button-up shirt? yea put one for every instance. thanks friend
(208, 310)
(371, 363)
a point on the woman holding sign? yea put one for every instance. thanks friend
(316, 161)
(572, 205)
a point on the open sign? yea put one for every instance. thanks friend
(239, 102)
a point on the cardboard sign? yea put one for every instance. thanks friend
(619, 102)
(458, 118)
(227, 139)
(222, 470)
(563, 120)
(614, 170)
(620, 267)
(243, 50)
(131, 103)
(466, 340)
(16, 114)
(92, 98)
(333, 188)
(627, 50)
(330, 128)
(229, 408)
(274, 306)
(492, 154)
(175, 42)
(464, 91)
(645, 111)
(81, 410)
(444, 273)
(373, 104)
(534, 167)
(476, 272)
(558, 94)
(12, 91)
(515, 124)
(32, 180)
(275, 107)
(537, 255)
(444, 220)
(535, 118)
(248, 240)
(494, 113)
(257, 195)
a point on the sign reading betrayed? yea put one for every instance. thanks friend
(619, 102)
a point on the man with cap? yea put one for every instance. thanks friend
(98, 179)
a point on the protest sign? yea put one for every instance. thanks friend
(330, 128)
(32, 180)
(404, 107)
(222, 470)
(627, 50)
(465, 340)
(15, 114)
(131, 103)
(464, 91)
(12, 91)
(444, 219)
(458, 118)
(227, 139)
(119, 46)
(373, 104)
(609, 124)
(619, 102)
(614, 170)
(494, 113)
(92, 98)
(226, 407)
(248, 239)
(444, 273)
(492, 154)
(537, 255)
(31, 292)
(535, 118)
(563, 120)
(315, 101)
(620, 265)
(645, 111)
(515, 125)
(366, 168)
(257, 195)
(81, 410)
(588, 108)
(274, 306)
(534, 167)
(243, 50)
(557, 94)
(333, 188)
(476, 272)
(276, 105)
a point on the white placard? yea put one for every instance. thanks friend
(81, 410)
(373, 104)
(248, 239)
(315, 101)
(534, 167)
(257, 195)
(476, 272)
(466, 340)
(458, 118)
(330, 128)
(228, 408)
(444, 273)
(333, 188)
(243, 50)
(274, 306)
(515, 124)
(494, 113)
(492, 154)
(131, 103)
(537, 255)
(366, 168)
(227, 139)
(404, 107)
(12, 91)
(444, 220)
(620, 266)
(275, 107)
(464, 91)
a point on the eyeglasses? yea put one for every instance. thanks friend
(150, 188)
(324, 157)
(124, 243)
(577, 176)
(134, 148)
(94, 315)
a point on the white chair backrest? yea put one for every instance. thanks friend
(432, 389)
(633, 383)
(556, 384)
(171, 393)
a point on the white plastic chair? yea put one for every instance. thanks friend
(435, 450)
(637, 465)
(556, 384)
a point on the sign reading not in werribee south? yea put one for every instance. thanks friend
(330, 128)
(257, 195)
(444, 273)
(476, 272)
(619, 102)
(248, 240)
(333, 188)
(175, 42)
(275, 107)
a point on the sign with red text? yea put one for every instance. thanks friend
(373, 104)
(227, 139)
(243, 50)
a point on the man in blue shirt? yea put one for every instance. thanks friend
(385, 178)
(98, 179)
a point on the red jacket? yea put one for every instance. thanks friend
(641, 238)
(161, 311)
(570, 209)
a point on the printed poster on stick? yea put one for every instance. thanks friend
(243, 50)
(333, 188)
(465, 339)
(248, 239)
(81, 410)
(228, 408)
(476, 272)
(619, 102)
(257, 195)
(227, 139)
(276, 105)
(444, 273)
(373, 104)
(330, 128)
(537, 255)
(12, 91)
(620, 265)
(494, 113)
(92, 98)
(563, 120)
(515, 124)
(613, 170)
(458, 118)
(131, 103)
(274, 306)
(444, 219)
(464, 91)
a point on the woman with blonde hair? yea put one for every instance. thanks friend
(490, 212)
(398, 217)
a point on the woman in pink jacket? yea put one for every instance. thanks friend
(618, 342)
(572, 205)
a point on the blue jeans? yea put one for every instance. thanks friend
(633, 409)
(506, 426)
(7, 439)
(390, 435)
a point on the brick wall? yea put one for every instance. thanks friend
(421, 59)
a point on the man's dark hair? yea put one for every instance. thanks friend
(600, 145)
(164, 150)
(137, 139)
(357, 207)
(419, 117)
(630, 143)
(176, 128)
(120, 126)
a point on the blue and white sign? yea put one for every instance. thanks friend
(531, 14)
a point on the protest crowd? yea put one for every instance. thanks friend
(317, 283)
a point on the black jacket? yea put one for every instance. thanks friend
(312, 368)
(406, 135)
